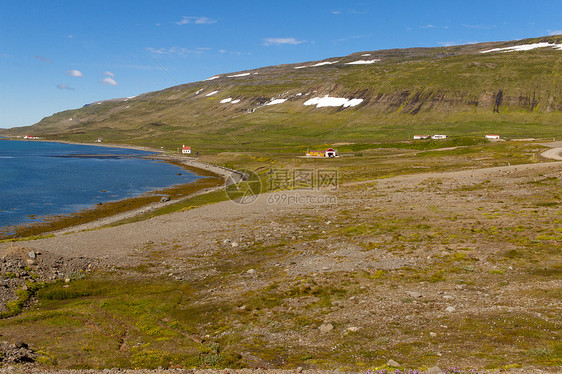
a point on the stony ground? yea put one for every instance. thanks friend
(446, 269)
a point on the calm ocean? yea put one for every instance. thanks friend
(44, 178)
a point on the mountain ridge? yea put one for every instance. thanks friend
(399, 90)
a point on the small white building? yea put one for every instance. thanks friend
(417, 137)
(493, 137)
(439, 137)
(186, 150)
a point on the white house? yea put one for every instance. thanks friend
(494, 137)
(416, 137)
(439, 137)
(186, 150)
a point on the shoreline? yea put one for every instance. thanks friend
(205, 170)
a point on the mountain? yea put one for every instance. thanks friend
(513, 88)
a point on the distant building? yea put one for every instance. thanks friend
(186, 150)
(494, 137)
(330, 152)
(99, 140)
(416, 137)
(30, 137)
(439, 137)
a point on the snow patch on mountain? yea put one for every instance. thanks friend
(525, 47)
(364, 62)
(327, 101)
(318, 64)
(276, 101)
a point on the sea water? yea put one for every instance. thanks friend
(39, 179)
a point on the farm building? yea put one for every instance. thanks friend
(494, 137)
(330, 152)
(186, 150)
(439, 137)
(416, 137)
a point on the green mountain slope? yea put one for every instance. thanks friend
(454, 90)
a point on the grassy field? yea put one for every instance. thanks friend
(491, 249)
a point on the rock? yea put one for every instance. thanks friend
(326, 327)
(31, 262)
(414, 294)
(432, 334)
(66, 280)
(20, 344)
(251, 271)
(448, 297)
(164, 199)
(434, 370)
(353, 329)
(451, 309)
(234, 244)
(31, 254)
(392, 363)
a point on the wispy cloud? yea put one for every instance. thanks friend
(280, 41)
(175, 50)
(108, 73)
(195, 20)
(44, 59)
(74, 73)
(349, 11)
(109, 82)
(450, 44)
(353, 37)
(64, 87)
(429, 26)
(479, 27)
(554, 32)
(357, 11)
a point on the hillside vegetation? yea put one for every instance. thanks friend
(457, 90)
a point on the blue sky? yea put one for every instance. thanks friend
(57, 55)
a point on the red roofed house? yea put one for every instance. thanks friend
(327, 153)
(185, 150)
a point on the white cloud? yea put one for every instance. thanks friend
(554, 32)
(74, 73)
(336, 12)
(64, 87)
(174, 50)
(109, 82)
(429, 26)
(479, 27)
(279, 41)
(108, 73)
(44, 59)
(195, 20)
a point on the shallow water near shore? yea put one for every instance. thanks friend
(39, 179)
